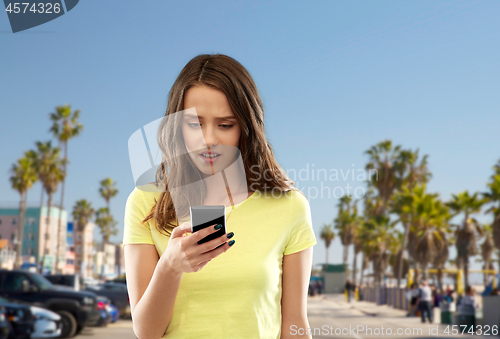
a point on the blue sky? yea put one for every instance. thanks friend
(335, 78)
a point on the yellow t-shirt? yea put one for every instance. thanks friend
(237, 294)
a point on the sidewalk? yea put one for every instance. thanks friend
(371, 309)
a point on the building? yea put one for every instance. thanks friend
(40, 234)
(120, 259)
(7, 254)
(105, 267)
(334, 277)
(84, 250)
(70, 250)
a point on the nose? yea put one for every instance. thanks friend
(209, 136)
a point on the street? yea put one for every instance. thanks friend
(121, 329)
(332, 317)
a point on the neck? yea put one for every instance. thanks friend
(231, 177)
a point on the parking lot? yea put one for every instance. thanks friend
(121, 329)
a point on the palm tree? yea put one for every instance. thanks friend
(108, 190)
(383, 160)
(51, 173)
(65, 126)
(345, 223)
(104, 219)
(358, 247)
(396, 253)
(378, 236)
(493, 196)
(82, 214)
(328, 236)
(487, 248)
(409, 172)
(465, 234)
(431, 223)
(23, 176)
(370, 203)
(106, 223)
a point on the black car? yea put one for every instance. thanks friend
(21, 319)
(5, 326)
(116, 292)
(77, 309)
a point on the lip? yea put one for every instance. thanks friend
(209, 160)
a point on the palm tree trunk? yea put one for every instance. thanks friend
(354, 268)
(346, 254)
(47, 224)
(61, 211)
(440, 280)
(425, 272)
(466, 271)
(38, 246)
(363, 269)
(326, 260)
(416, 279)
(486, 275)
(20, 230)
(403, 248)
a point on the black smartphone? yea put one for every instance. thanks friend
(205, 216)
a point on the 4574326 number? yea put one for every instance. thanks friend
(471, 329)
(22, 7)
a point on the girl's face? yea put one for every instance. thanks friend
(213, 130)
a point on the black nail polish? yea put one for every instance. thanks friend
(218, 226)
(230, 235)
(231, 243)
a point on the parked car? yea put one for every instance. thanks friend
(117, 293)
(119, 281)
(20, 317)
(114, 312)
(105, 316)
(71, 280)
(5, 325)
(75, 308)
(48, 324)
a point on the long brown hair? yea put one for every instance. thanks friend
(230, 77)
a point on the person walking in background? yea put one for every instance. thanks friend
(348, 289)
(319, 287)
(469, 299)
(425, 301)
(413, 294)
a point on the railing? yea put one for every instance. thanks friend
(391, 296)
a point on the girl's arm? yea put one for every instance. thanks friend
(152, 288)
(296, 275)
(153, 281)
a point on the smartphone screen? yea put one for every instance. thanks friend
(205, 216)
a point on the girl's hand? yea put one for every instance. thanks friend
(184, 254)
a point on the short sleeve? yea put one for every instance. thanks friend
(136, 209)
(301, 233)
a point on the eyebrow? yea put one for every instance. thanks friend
(217, 118)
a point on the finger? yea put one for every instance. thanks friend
(179, 231)
(201, 234)
(214, 243)
(215, 253)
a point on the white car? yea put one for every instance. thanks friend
(47, 323)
